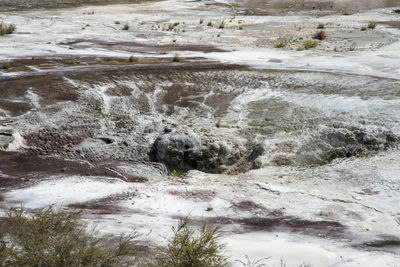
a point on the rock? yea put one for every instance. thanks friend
(184, 151)
(345, 143)
(168, 129)
(5, 140)
(177, 151)
(142, 171)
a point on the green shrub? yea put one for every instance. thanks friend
(117, 22)
(320, 35)
(320, 26)
(201, 21)
(190, 248)
(221, 25)
(53, 238)
(72, 62)
(210, 24)
(176, 173)
(6, 66)
(7, 29)
(280, 45)
(371, 25)
(363, 28)
(132, 59)
(309, 44)
(126, 27)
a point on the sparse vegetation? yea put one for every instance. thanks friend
(371, 25)
(210, 24)
(72, 62)
(309, 44)
(117, 22)
(201, 21)
(280, 45)
(321, 26)
(363, 28)
(7, 29)
(188, 248)
(126, 27)
(240, 27)
(133, 59)
(6, 66)
(221, 25)
(176, 173)
(320, 35)
(54, 238)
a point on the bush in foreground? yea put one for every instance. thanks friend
(188, 248)
(53, 238)
(7, 29)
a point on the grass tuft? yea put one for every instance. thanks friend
(371, 25)
(126, 27)
(6, 66)
(320, 35)
(176, 173)
(280, 45)
(7, 29)
(309, 44)
(72, 62)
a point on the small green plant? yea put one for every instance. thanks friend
(72, 62)
(133, 59)
(6, 66)
(190, 248)
(363, 28)
(176, 173)
(55, 238)
(309, 44)
(281, 44)
(320, 26)
(126, 27)
(7, 29)
(240, 27)
(117, 22)
(210, 24)
(221, 25)
(371, 25)
(320, 35)
(201, 21)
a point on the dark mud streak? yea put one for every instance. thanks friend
(17, 5)
(390, 244)
(106, 205)
(21, 168)
(82, 70)
(148, 47)
(321, 229)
